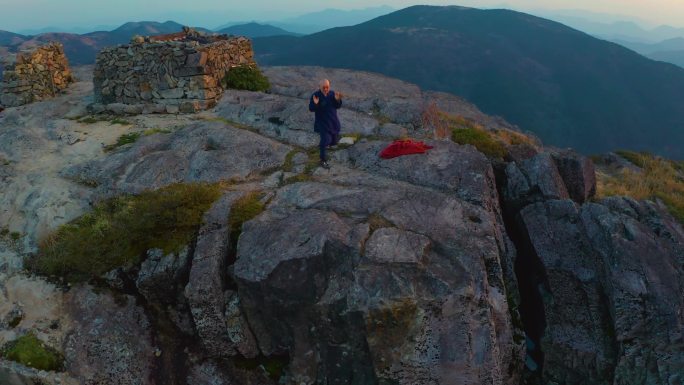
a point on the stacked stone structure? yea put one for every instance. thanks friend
(34, 75)
(180, 72)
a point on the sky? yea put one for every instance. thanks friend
(28, 14)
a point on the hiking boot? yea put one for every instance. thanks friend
(325, 165)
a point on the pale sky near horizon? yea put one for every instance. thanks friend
(31, 14)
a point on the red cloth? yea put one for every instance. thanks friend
(404, 147)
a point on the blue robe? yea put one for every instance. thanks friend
(327, 123)
(326, 112)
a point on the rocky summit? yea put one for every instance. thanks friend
(451, 267)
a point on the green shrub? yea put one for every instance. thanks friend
(246, 78)
(120, 230)
(481, 139)
(28, 350)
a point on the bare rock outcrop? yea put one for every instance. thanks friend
(200, 152)
(602, 282)
(370, 278)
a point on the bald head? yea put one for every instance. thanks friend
(324, 86)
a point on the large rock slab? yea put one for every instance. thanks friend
(215, 308)
(285, 118)
(613, 299)
(380, 281)
(201, 152)
(448, 167)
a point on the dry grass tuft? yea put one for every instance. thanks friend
(658, 179)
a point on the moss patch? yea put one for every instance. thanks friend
(119, 231)
(28, 350)
(274, 366)
(233, 123)
(124, 140)
(492, 143)
(481, 139)
(377, 221)
(659, 178)
(246, 78)
(120, 121)
(288, 164)
(242, 210)
(297, 178)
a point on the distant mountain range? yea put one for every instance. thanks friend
(670, 50)
(568, 87)
(82, 49)
(613, 27)
(674, 57)
(321, 20)
(330, 18)
(662, 43)
(255, 30)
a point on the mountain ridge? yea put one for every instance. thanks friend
(566, 86)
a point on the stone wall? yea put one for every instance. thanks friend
(181, 73)
(34, 75)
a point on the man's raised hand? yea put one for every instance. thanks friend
(315, 99)
(338, 96)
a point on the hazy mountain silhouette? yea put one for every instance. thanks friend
(568, 87)
(674, 57)
(674, 44)
(254, 29)
(82, 49)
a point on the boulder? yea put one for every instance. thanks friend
(111, 339)
(533, 180)
(578, 173)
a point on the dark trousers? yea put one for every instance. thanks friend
(327, 139)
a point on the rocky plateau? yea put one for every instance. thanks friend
(440, 268)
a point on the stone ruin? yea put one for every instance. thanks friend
(180, 72)
(34, 75)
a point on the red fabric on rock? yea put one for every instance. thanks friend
(404, 147)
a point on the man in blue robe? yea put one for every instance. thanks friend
(325, 103)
